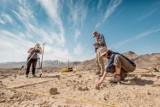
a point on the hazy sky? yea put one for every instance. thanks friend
(67, 25)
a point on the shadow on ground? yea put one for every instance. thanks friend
(55, 76)
(138, 81)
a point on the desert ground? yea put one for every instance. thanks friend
(141, 88)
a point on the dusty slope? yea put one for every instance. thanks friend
(78, 90)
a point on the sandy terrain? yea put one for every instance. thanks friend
(55, 89)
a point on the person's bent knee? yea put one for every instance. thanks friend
(133, 69)
(117, 61)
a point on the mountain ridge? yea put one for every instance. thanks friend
(141, 61)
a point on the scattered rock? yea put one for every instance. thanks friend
(81, 81)
(155, 69)
(2, 100)
(69, 81)
(79, 75)
(15, 96)
(80, 88)
(74, 81)
(97, 87)
(53, 91)
(83, 88)
(158, 77)
(66, 106)
(104, 85)
(1, 83)
(149, 93)
(105, 98)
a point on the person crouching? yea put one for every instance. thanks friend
(118, 64)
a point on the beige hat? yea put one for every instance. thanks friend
(37, 46)
(103, 51)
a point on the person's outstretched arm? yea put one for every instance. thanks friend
(102, 79)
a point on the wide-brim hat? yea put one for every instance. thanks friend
(103, 51)
(37, 45)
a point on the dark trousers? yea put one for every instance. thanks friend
(32, 62)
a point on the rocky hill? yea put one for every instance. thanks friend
(148, 60)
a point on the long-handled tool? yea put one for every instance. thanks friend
(42, 60)
(27, 61)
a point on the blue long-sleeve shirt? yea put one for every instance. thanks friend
(111, 61)
(101, 40)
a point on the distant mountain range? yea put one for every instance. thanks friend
(47, 63)
(142, 61)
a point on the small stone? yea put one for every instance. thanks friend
(80, 88)
(74, 81)
(97, 87)
(85, 89)
(149, 93)
(104, 85)
(66, 106)
(105, 98)
(53, 91)
(79, 75)
(2, 100)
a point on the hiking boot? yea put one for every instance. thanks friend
(98, 72)
(40, 75)
(123, 76)
(100, 75)
(116, 79)
(34, 75)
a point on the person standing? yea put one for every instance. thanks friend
(100, 43)
(32, 59)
